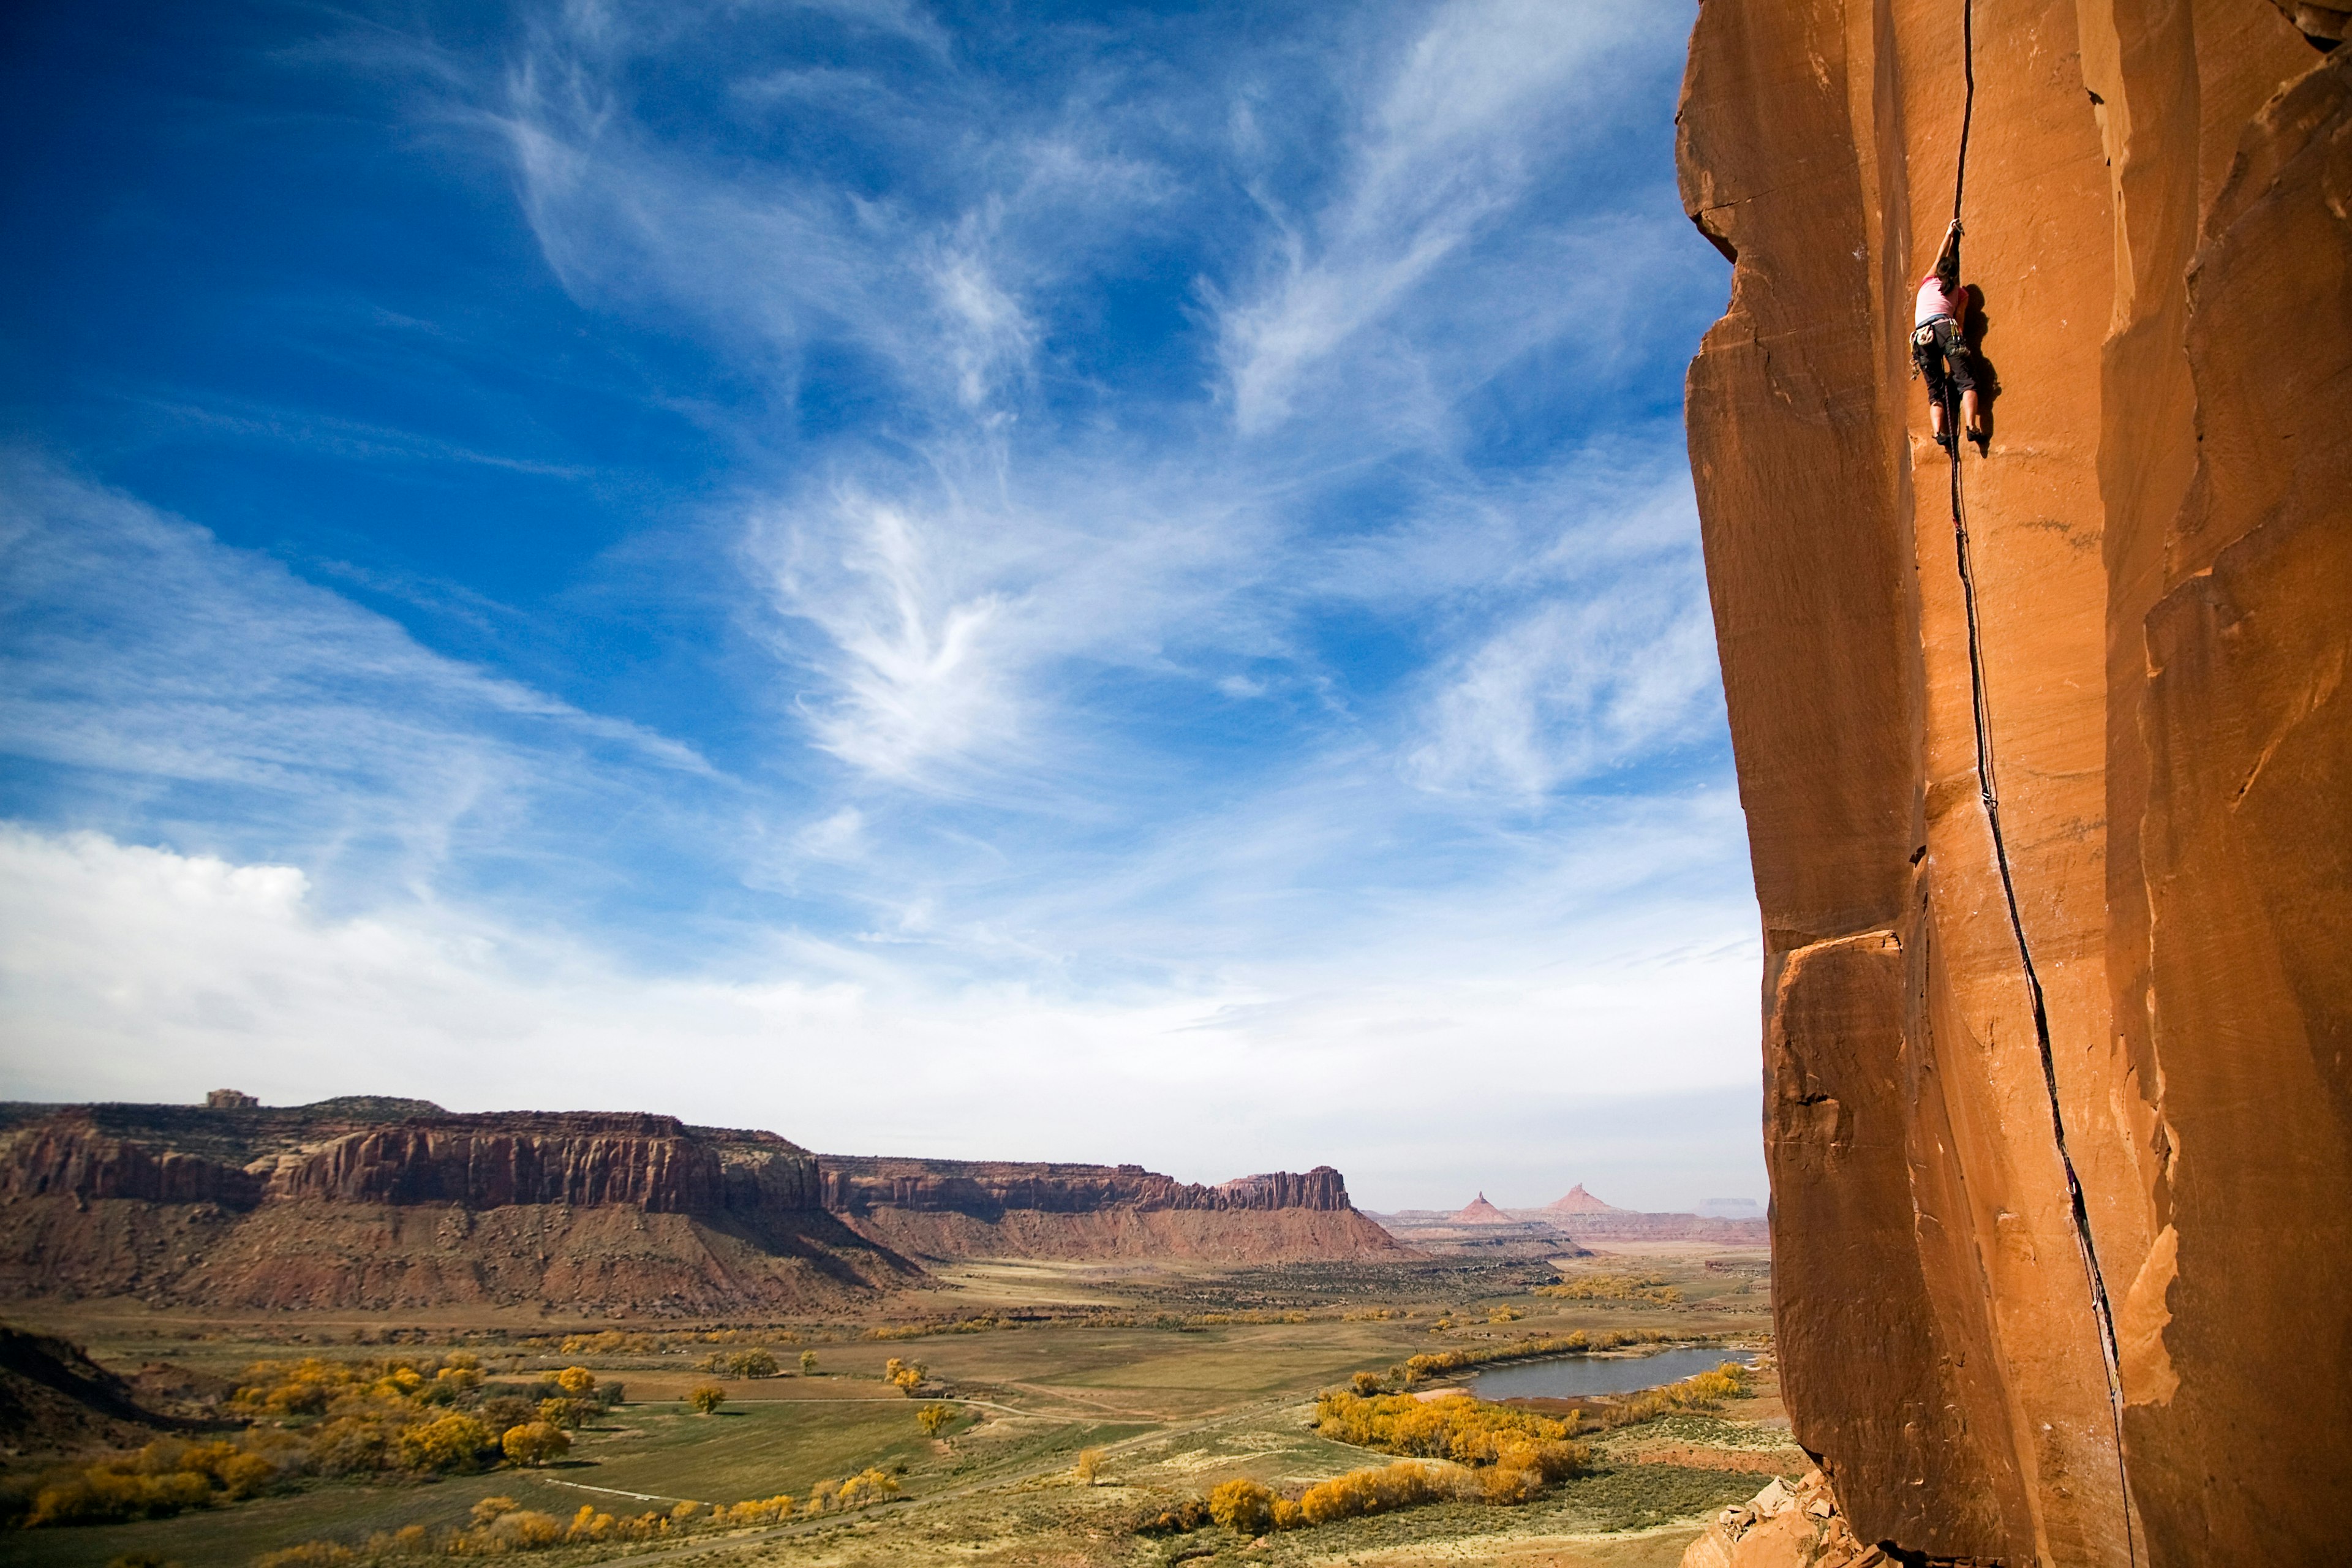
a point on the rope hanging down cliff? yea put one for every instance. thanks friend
(1989, 791)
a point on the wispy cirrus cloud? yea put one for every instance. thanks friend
(1463, 121)
(151, 675)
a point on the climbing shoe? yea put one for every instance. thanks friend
(1944, 439)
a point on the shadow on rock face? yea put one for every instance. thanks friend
(1988, 379)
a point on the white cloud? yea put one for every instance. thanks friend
(131, 972)
(1447, 147)
(918, 663)
(1570, 687)
(211, 687)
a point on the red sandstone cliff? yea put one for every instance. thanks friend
(375, 1205)
(388, 1205)
(957, 1208)
(2157, 208)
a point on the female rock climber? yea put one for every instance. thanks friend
(1939, 349)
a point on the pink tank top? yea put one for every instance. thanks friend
(1934, 301)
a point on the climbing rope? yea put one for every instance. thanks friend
(1988, 792)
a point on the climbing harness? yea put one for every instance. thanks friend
(1988, 792)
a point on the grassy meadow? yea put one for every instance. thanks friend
(1181, 1379)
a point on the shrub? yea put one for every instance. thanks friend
(1366, 1384)
(238, 1473)
(352, 1445)
(1243, 1505)
(452, 1443)
(526, 1529)
(808, 1364)
(165, 1478)
(108, 1491)
(360, 1416)
(501, 1411)
(1185, 1514)
(1465, 1430)
(408, 1541)
(1406, 1484)
(705, 1398)
(907, 1375)
(308, 1555)
(1090, 1464)
(568, 1414)
(1705, 1392)
(868, 1485)
(609, 1342)
(1431, 1363)
(1613, 1288)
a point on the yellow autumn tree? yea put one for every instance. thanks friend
(1243, 1505)
(534, 1443)
(449, 1444)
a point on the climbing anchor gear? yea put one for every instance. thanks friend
(1988, 792)
(1938, 335)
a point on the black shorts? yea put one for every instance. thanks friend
(1942, 357)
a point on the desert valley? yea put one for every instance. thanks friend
(900, 1357)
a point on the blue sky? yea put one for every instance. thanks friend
(1036, 581)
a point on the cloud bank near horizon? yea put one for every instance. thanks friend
(1024, 590)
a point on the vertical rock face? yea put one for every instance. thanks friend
(644, 1160)
(2157, 204)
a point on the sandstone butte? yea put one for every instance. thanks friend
(1576, 1200)
(2156, 201)
(1478, 1211)
(379, 1205)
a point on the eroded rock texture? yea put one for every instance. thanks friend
(971, 1208)
(2157, 206)
(379, 1205)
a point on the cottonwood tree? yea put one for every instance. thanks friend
(535, 1443)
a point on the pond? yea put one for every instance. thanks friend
(1570, 1376)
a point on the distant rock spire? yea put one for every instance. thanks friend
(1481, 1212)
(1579, 1200)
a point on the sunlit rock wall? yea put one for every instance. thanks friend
(2156, 201)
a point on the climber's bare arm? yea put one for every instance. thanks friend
(1950, 253)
